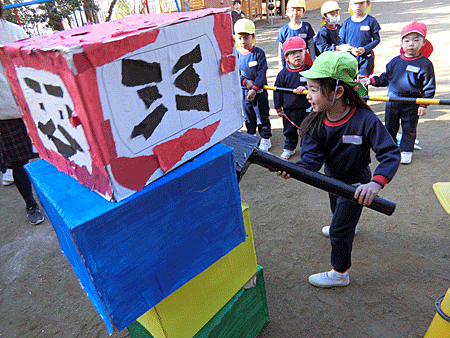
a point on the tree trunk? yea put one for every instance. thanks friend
(110, 10)
(90, 15)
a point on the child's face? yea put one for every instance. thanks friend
(358, 7)
(332, 16)
(244, 40)
(237, 6)
(295, 13)
(317, 98)
(296, 58)
(412, 43)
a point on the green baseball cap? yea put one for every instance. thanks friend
(336, 65)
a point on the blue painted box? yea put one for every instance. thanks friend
(130, 255)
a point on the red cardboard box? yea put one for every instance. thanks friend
(119, 104)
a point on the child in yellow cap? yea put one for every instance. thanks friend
(296, 27)
(327, 37)
(253, 70)
(339, 134)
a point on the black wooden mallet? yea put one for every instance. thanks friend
(246, 152)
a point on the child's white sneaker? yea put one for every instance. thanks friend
(329, 279)
(406, 157)
(265, 144)
(7, 177)
(287, 153)
(326, 231)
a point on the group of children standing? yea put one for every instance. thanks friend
(358, 36)
(336, 126)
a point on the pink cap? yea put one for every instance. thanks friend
(415, 27)
(292, 44)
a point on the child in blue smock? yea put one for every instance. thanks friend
(359, 35)
(296, 27)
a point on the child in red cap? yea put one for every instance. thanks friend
(292, 107)
(409, 74)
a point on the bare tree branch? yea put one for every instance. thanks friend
(110, 10)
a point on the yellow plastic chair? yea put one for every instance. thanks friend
(442, 191)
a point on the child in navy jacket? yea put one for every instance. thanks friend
(292, 107)
(407, 75)
(253, 69)
(237, 13)
(327, 37)
(339, 133)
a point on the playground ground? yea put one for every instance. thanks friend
(401, 263)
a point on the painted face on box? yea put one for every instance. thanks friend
(52, 108)
(156, 85)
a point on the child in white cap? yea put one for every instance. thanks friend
(339, 133)
(409, 74)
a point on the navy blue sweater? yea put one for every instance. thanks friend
(361, 34)
(290, 78)
(408, 77)
(327, 38)
(344, 147)
(253, 66)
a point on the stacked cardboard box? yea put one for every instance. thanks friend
(117, 105)
(132, 254)
(131, 111)
(243, 316)
(185, 312)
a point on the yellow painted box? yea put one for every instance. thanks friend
(183, 313)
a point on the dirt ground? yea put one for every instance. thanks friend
(401, 263)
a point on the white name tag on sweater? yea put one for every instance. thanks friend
(365, 28)
(352, 139)
(413, 69)
(252, 63)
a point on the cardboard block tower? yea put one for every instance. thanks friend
(127, 116)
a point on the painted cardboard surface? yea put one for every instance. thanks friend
(132, 254)
(243, 316)
(118, 105)
(187, 310)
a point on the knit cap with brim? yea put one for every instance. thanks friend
(336, 65)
